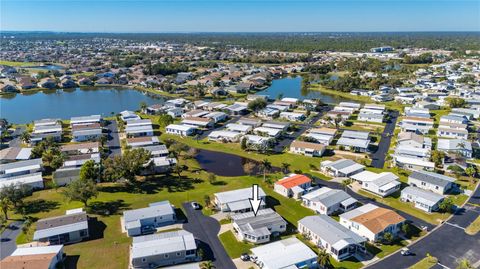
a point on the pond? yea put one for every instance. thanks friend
(225, 164)
(64, 104)
(292, 87)
(48, 67)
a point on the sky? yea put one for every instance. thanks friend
(239, 16)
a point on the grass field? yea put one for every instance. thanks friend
(18, 64)
(425, 263)
(234, 247)
(474, 227)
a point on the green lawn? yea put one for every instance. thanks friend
(474, 227)
(425, 263)
(234, 247)
(18, 64)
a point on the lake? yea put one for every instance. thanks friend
(292, 87)
(64, 104)
(225, 164)
(49, 67)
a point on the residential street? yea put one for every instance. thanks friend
(8, 239)
(113, 141)
(206, 230)
(378, 158)
(449, 243)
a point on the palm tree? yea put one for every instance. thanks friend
(143, 106)
(5, 205)
(25, 137)
(265, 165)
(207, 265)
(285, 167)
(323, 259)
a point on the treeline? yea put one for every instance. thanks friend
(299, 42)
(165, 69)
(424, 58)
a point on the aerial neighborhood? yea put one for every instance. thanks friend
(206, 156)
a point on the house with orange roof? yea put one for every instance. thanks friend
(372, 222)
(36, 257)
(293, 186)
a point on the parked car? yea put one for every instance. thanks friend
(195, 205)
(245, 257)
(405, 252)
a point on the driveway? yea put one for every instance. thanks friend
(113, 141)
(206, 229)
(378, 158)
(8, 239)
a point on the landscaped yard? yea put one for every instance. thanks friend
(425, 263)
(474, 227)
(234, 247)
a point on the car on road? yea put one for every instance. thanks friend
(245, 257)
(405, 252)
(195, 205)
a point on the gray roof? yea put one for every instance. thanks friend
(237, 195)
(424, 196)
(258, 225)
(162, 243)
(342, 163)
(157, 149)
(433, 178)
(331, 231)
(329, 197)
(96, 131)
(21, 164)
(155, 209)
(355, 134)
(453, 144)
(60, 225)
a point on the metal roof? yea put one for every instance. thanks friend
(162, 243)
(433, 178)
(156, 209)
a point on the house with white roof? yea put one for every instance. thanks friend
(382, 184)
(293, 116)
(258, 228)
(409, 139)
(456, 146)
(452, 133)
(413, 164)
(199, 122)
(239, 128)
(46, 128)
(266, 131)
(431, 181)
(237, 201)
(67, 229)
(286, 253)
(146, 220)
(355, 140)
(341, 168)
(136, 128)
(372, 222)
(25, 172)
(369, 116)
(180, 129)
(128, 115)
(422, 199)
(163, 249)
(326, 233)
(416, 125)
(224, 136)
(328, 201)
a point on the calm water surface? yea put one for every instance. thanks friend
(292, 87)
(63, 104)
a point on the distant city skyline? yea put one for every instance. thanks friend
(157, 16)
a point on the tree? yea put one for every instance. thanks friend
(446, 205)
(5, 206)
(338, 120)
(207, 200)
(346, 183)
(265, 165)
(131, 163)
(285, 167)
(212, 178)
(323, 259)
(25, 137)
(143, 106)
(207, 265)
(178, 169)
(388, 238)
(257, 104)
(438, 157)
(470, 171)
(406, 229)
(15, 193)
(82, 190)
(455, 102)
(164, 120)
(243, 143)
(89, 170)
(249, 167)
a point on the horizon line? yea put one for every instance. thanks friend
(237, 32)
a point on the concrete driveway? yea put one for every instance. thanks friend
(206, 229)
(8, 239)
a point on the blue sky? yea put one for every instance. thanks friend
(240, 16)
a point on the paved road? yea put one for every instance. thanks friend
(378, 158)
(113, 141)
(206, 229)
(449, 243)
(8, 238)
(362, 199)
